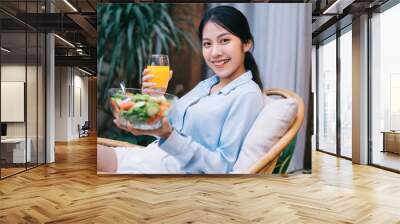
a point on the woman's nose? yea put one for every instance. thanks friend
(215, 51)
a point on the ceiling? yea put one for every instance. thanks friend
(330, 15)
(76, 23)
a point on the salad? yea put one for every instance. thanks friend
(139, 108)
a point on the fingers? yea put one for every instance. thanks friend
(147, 85)
(135, 131)
(115, 114)
(118, 123)
(165, 122)
(147, 88)
(131, 129)
(164, 130)
(150, 91)
(146, 71)
(126, 127)
(147, 77)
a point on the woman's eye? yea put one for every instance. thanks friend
(206, 44)
(224, 41)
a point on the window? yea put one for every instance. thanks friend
(331, 133)
(23, 76)
(385, 88)
(327, 95)
(346, 93)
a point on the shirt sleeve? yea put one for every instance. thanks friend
(195, 158)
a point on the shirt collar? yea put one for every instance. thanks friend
(245, 77)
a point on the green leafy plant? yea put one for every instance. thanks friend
(285, 158)
(127, 35)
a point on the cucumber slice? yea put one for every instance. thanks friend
(140, 104)
(152, 110)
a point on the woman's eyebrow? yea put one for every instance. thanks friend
(223, 34)
(219, 36)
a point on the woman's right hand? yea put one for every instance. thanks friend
(146, 77)
(147, 85)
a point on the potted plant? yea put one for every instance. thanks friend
(127, 35)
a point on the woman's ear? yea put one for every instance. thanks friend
(247, 46)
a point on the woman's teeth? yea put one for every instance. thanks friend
(217, 63)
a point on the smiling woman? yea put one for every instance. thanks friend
(206, 128)
(219, 51)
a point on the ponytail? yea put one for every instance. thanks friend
(250, 64)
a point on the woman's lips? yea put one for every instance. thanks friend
(220, 63)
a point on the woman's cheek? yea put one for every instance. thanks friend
(205, 55)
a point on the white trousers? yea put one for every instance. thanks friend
(148, 160)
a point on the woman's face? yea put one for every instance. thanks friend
(223, 52)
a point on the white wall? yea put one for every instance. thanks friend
(61, 103)
(16, 73)
(80, 110)
(33, 126)
(12, 101)
(71, 94)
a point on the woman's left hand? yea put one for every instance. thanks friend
(163, 132)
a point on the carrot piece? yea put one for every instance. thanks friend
(165, 104)
(164, 107)
(153, 119)
(126, 105)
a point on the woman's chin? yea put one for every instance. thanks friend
(221, 73)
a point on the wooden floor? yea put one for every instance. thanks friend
(387, 159)
(10, 171)
(5, 172)
(69, 191)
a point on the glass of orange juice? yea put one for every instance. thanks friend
(159, 68)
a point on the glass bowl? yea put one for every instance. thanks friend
(142, 110)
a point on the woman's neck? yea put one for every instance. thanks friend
(225, 81)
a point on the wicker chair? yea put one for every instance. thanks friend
(268, 162)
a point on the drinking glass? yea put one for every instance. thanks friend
(159, 68)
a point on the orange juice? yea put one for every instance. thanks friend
(161, 76)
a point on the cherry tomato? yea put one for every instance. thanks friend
(126, 105)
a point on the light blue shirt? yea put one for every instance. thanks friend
(209, 129)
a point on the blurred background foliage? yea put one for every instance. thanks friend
(127, 35)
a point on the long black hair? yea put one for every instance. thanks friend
(236, 23)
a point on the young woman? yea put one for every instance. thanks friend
(206, 128)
